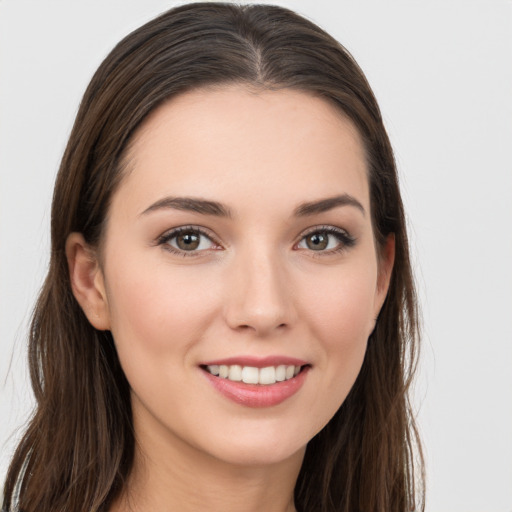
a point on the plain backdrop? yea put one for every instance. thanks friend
(442, 72)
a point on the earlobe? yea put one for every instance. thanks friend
(87, 281)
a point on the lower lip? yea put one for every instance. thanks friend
(254, 395)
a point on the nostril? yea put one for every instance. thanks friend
(259, 328)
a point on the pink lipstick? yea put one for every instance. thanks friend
(257, 382)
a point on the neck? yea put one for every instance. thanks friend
(177, 477)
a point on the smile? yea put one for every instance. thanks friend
(252, 375)
(257, 382)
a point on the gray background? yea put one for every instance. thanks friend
(442, 72)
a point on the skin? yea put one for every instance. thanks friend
(253, 287)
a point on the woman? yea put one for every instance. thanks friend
(229, 319)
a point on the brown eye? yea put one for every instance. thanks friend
(329, 240)
(188, 241)
(317, 241)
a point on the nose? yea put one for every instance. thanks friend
(260, 299)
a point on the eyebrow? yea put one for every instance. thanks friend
(206, 207)
(324, 205)
(190, 204)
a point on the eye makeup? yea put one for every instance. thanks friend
(192, 241)
(188, 241)
(325, 240)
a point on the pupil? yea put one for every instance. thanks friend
(188, 241)
(317, 241)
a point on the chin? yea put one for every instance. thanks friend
(256, 456)
(260, 447)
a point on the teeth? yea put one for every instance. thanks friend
(252, 375)
(235, 373)
(268, 375)
(281, 373)
(214, 369)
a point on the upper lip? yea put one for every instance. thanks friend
(257, 362)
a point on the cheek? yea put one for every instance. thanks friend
(341, 307)
(157, 314)
(339, 313)
(154, 307)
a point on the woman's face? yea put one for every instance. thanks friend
(240, 242)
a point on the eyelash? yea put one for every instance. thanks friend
(174, 233)
(346, 241)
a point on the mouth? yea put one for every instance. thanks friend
(254, 382)
(265, 376)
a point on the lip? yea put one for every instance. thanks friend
(258, 362)
(257, 395)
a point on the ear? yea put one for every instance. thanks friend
(87, 281)
(386, 261)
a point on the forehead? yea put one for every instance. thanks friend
(232, 141)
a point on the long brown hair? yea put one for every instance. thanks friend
(78, 449)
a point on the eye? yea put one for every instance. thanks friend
(328, 239)
(187, 240)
